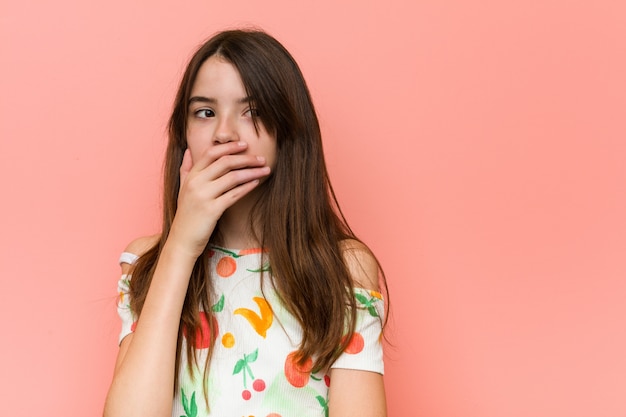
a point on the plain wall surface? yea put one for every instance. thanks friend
(479, 147)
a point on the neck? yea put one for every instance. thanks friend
(234, 225)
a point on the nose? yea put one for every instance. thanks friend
(225, 131)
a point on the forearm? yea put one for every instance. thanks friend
(143, 382)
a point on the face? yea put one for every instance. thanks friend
(220, 112)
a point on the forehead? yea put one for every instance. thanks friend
(218, 78)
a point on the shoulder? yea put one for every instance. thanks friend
(361, 263)
(142, 244)
(138, 247)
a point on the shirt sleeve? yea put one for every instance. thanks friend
(123, 303)
(365, 350)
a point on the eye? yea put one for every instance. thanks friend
(252, 112)
(204, 113)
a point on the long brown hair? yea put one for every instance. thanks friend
(298, 218)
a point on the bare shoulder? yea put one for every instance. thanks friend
(142, 244)
(138, 247)
(361, 263)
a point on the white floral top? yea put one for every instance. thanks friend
(253, 370)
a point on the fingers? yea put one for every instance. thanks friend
(233, 164)
(186, 165)
(235, 194)
(230, 187)
(236, 178)
(214, 153)
(219, 160)
(210, 183)
(223, 170)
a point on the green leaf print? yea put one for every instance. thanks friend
(265, 268)
(228, 252)
(323, 403)
(194, 407)
(219, 306)
(243, 365)
(185, 403)
(239, 366)
(361, 298)
(252, 357)
(191, 410)
(369, 304)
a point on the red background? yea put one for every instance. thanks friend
(478, 147)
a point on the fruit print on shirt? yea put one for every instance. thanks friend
(369, 304)
(282, 398)
(190, 406)
(297, 375)
(243, 366)
(255, 339)
(261, 323)
(205, 334)
(355, 345)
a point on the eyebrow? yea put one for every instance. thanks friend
(211, 100)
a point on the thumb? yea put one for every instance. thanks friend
(185, 166)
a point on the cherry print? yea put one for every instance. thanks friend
(258, 385)
(243, 366)
(327, 380)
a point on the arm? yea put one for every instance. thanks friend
(137, 247)
(355, 392)
(143, 382)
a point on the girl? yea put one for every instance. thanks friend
(256, 299)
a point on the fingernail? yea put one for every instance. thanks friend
(260, 159)
(241, 143)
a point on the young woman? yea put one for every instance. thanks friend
(256, 299)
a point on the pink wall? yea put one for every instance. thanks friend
(479, 147)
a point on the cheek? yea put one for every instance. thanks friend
(194, 149)
(272, 160)
(197, 146)
(271, 153)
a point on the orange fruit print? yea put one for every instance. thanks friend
(297, 375)
(226, 267)
(261, 323)
(355, 345)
